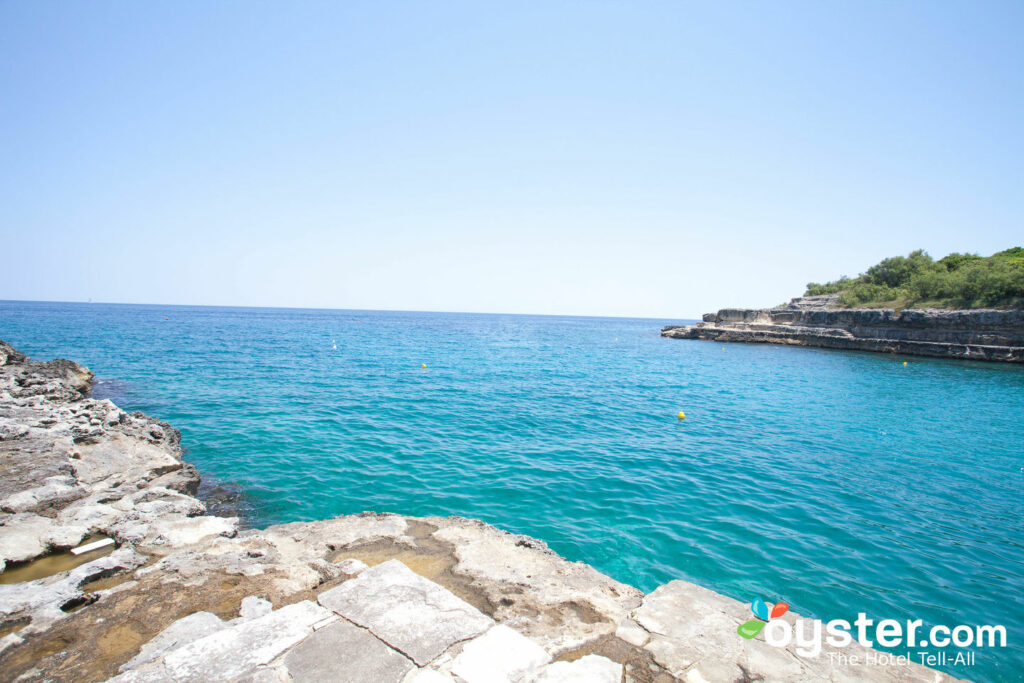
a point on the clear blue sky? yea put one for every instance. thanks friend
(596, 158)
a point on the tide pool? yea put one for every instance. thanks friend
(837, 482)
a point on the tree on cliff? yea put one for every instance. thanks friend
(954, 281)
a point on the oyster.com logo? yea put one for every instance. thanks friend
(750, 629)
(928, 645)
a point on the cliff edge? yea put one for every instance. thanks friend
(977, 334)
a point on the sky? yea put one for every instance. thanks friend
(658, 159)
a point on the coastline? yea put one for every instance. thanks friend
(983, 334)
(76, 467)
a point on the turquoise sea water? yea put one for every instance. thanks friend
(837, 482)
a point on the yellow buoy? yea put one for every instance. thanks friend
(682, 415)
(904, 362)
(424, 366)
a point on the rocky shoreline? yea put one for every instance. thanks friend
(987, 335)
(183, 595)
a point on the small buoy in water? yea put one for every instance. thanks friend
(424, 366)
(682, 415)
(166, 318)
(723, 348)
(904, 362)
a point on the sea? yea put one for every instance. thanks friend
(836, 482)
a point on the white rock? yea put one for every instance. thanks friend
(568, 603)
(21, 536)
(269, 674)
(690, 626)
(10, 640)
(345, 653)
(693, 635)
(427, 676)
(177, 530)
(43, 598)
(183, 631)
(632, 633)
(588, 669)
(501, 655)
(412, 614)
(242, 648)
(351, 566)
(122, 457)
(55, 490)
(253, 607)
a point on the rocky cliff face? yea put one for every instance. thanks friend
(991, 335)
(182, 595)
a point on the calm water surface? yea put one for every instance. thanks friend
(838, 482)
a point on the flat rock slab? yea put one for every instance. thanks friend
(499, 656)
(344, 653)
(236, 651)
(21, 536)
(589, 669)
(408, 612)
(253, 607)
(182, 632)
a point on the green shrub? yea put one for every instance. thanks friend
(814, 289)
(1013, 254)
(898, 270)
(955, 260)
(957, 280)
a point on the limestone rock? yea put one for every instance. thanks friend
(344, 653)
(693, 635)
(990, 335)
(21, 536)
(45, 600)
(55, 491)
(588, 669)
(178, 531)
(411, 614)
(428, 676)
(501, 655)
(253, 607)
(193, 627)
(570, 603)
(632, 633)
(233, 652)
(352, 567)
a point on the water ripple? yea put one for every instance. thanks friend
(839, 482)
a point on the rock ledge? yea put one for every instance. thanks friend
(988, 335)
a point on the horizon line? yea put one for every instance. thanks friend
(366, 310)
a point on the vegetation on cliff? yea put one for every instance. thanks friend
(917, 280)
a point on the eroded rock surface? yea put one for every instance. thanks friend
(188, 596)
(990, 335)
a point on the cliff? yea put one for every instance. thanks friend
(980, 334)
(178, 594)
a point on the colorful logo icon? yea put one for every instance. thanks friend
(751, 628)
